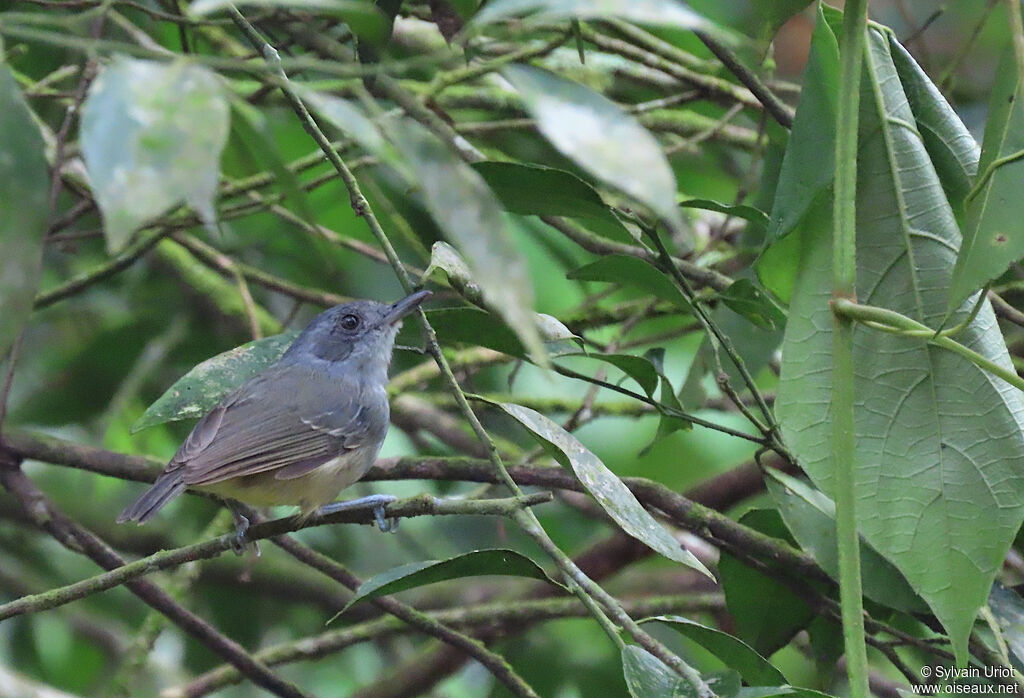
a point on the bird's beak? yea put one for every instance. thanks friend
(405, 306)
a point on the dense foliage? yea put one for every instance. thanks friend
(634, 218)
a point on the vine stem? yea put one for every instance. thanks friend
(844, 286)
(586, 589)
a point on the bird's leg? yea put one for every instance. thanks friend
(375, 502)
(241, 526)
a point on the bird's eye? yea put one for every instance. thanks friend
(349, 322)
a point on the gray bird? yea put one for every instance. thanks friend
(301, 431)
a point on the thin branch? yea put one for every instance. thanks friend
(772, 104)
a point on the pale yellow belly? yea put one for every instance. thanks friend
(309, 492)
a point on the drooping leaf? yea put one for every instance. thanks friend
(534, 190)
(603, 485)
(600, 137)
(199, 390)
(757, 19)
(810, 517)
(767, 613)
(994, 208)
(757, 218)
(631, 271)
(638, 368)
(926, 459)
(24, 182)
(746, 299)
(647, 676)
(952, 148)
(734, 653)
(365, 20)
(667, 423)
(478, 563)
(470, 216)
(656, 12)
(808, 163)
(142, 150)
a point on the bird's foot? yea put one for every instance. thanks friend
(375, 502)
(239, 544)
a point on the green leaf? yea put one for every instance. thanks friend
(758, 19)
(734, 653)
(810, 517)
(667, 424)
(142, 150)
(807, 165)
(655, 12)
(638, 368)
(994, 207)
(631, 271)
(534, 190)
(746, 299)
(766, 612)
(927, 459)
(809, 162)
(362, 17)
(599, 136)
(470, 216)
(478, 563)
(24, 183)
(604, 486)
(199, 390)
(952, 148)
(647, 676)
(757, 218)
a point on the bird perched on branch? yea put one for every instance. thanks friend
(301, 431)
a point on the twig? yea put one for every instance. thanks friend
(772, 104)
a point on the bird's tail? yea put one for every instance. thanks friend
(167, 487)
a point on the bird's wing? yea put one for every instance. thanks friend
(287, 419)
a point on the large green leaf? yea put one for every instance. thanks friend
(658, 12)
(24, 182)
(470, 216)
(599, 136)
(927, 458)
(734, 653)
(199, 390)
(993, 238)
(477, 563)
(811, 518)
(142, 149)
(603, 485)
(808, 163)
(631, 271)
(534, 190)
(952, 148)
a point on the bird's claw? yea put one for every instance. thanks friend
(375, 502)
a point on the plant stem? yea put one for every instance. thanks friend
(844, 286)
